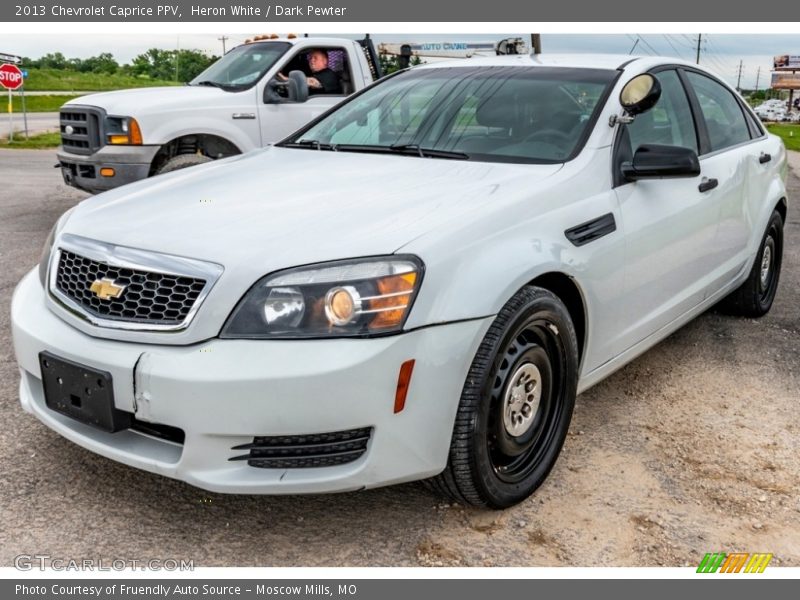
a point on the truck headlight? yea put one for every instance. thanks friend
(47, 250)
(123, 131)
(351, 298)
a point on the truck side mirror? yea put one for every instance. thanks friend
(294, 89)
(298, 86)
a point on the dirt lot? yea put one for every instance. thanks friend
(693, 448)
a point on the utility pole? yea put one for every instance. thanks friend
(739, 78)
(758, 76)
(223, 39)
(536, 42)
(699, 39)
(636, 43)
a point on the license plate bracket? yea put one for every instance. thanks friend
(82, 393)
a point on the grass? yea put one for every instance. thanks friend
(790, 134)
(34, 142)
(32, 104)
(53, 80)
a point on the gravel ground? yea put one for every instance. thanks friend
(692, 448)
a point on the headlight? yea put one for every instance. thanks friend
(123, 131)
(353, 298)
(47, 250)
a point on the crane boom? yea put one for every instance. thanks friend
(455, 49)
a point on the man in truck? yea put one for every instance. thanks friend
(322, 79)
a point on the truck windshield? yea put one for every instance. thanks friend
(495, 114)
(243, 66)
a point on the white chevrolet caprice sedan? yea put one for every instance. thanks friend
(416, 285)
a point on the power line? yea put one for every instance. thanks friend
(646, 43)
(677, 53)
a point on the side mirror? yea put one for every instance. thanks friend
(640, 94)
(294, 89)
(654, 160)
(297, 86)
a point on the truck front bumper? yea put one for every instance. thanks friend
(226, 393)
(128, 164)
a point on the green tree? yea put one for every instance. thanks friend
(391, 63)
(171, 65)
(53, 61)
(103, 63)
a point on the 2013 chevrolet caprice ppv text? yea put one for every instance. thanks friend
(416, 285)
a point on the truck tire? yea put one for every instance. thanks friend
(182, 161)
(755, 296)
(516, 404)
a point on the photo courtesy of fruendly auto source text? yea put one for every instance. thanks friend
(384, 300)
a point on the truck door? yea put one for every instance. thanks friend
(279, 119)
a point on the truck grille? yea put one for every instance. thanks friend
(147, 297)
(81, 129)
(305, 451)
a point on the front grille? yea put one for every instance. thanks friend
(80, 129)
(147, 297)
(304, 451)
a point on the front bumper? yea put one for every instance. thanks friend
(130, 163)
(223, 393)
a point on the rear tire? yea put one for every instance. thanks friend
(755, 296)
(516, 404)
(183, 161)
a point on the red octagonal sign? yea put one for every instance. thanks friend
(10, 77)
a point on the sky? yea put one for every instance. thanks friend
(720, 52)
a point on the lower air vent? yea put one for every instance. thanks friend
(305, 451)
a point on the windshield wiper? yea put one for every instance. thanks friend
(427, 152)
(305, 143)
(414, 149)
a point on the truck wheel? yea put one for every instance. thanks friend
(182, 161)
(754, 297)
(516, 404)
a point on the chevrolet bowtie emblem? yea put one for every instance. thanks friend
(105, 289)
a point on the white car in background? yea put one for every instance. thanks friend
(415, 285)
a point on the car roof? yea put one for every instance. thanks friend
(579, 61)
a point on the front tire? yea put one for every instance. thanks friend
(755, 296)
(183, 161)
(516, 404)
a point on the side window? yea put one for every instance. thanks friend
(669, 122)
(724, 118)
(327, 67)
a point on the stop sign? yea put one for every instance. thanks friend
(10, 76)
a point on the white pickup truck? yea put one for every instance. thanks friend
(241, 102)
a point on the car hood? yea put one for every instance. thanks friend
(138, 101)
(277, 207)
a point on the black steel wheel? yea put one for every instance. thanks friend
(755, 296)
(516, 404)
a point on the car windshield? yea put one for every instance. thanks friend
(243, 66)
(496, 114)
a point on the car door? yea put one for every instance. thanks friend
(738, 159)
(670, 224)
(279, 119)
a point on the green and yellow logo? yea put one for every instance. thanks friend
(737, 562)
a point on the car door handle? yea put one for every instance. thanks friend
(764, 158)
(707, 184)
